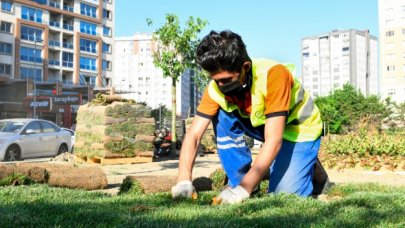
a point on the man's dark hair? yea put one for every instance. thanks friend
(224, 51)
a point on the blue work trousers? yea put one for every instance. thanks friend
(291, 171)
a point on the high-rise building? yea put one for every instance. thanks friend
(333, 59)
(50, 48)
(391, 16)
(57, 40)
(136, 77)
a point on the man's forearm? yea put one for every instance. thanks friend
(187, 157)
(261, 164)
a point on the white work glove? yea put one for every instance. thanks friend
(233, 195)
(183, 189)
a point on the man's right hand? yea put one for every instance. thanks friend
(183, 189)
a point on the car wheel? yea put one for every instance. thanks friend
(13, 153)
(62, 149)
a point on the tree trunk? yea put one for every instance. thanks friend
(174, 110)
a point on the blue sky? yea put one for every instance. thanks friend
(272, 29)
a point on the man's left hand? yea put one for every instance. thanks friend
(233, 195)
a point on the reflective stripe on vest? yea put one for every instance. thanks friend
(303, 121)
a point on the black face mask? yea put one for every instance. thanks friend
(233, 88)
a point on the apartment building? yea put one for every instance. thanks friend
(60, 46)
(57, 40)
(391, 16)
(136, 77)
(333, 59)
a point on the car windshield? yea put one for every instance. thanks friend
(11, 126)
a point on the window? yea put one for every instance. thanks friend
(30, 54)
(391, 68)
(35, 126)
(88, 10)
(345, 49)
(389, 21)
(88, 63)
(87, 27)
(90, 80)
(106, 31)
(30, 33)
(106, 14)
(6, 48)
(5, 27)
(389, 33)
(67, 59)
(31, 14)
(88, 45)
(106, 65)
(6, 6)
(29, 72)
(106, 48)
(5, 69)
(48, 128)
(306, 54)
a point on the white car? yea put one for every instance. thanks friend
(73, 137)
(31, 138)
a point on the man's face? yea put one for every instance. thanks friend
(231, 83)
(225, 77)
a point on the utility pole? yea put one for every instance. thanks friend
(160, 116)
(35, 70)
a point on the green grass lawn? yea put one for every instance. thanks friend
(349, 206)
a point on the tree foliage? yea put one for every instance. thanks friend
(160, 113)
(343, 109)
(175, 52)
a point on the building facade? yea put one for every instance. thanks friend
(333, 59)
(136, 77)
(391, 16)
(56, 47)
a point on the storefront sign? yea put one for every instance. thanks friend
(71, 99)
(41, 103)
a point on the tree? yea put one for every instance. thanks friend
(160, 113)
(175, 53)
(343, 108)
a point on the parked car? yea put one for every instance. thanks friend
(31, 138)
(73, 137)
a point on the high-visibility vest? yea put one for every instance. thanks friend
(304, 119)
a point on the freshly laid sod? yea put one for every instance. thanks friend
(346, 206)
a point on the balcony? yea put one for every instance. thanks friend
(68, 27)
(54, 43)
(53, 62)
(67, 64)
(88, 49)
(67, 82)
(88, 31)
(31, 18)
(88, 67)
(54, 4)
(68, 45)
(54, 24)
(53, 80)
(31, 58)
(68, 8)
